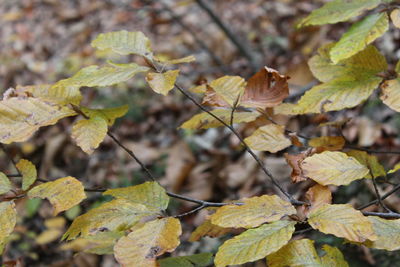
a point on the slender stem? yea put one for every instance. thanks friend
(10, 158)
(397, 187)
(391, 215)
(191, 211)
(378, 196)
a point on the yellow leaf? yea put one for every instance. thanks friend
(8, 219)
(268, 138)
(391, 94)
(369, 161)
(187, 59)
(230, 88)
(208, 229)
(141, 247)
(21, 117)
(124, 43)
(118, 214)
(108, 114)
(63, 193)
(254, 212)
(196, 260)
(395, 168)
(61, 95)
(28, 171)
(200, 89)
(366, 63)
(102, 76)
(162, 83)
(55, 223)
(301, 253)
(334, 168)
(328, 142)
(150, 194)
(5, 184)
(388, 233)
(88, 134)
(318, 195)
(204, 120)
(48, 236)
(337, 11)
(359, 36)
(342, 220)
(395, 17)
(254, 244)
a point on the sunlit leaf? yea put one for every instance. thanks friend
(118, 214)
(28, 171)
(369, 161)
(162, 83)
(141, 247)
(58, 94)
(395, 17)
(388, 233)
(254, 244)
(337, 11)
(327, 142)
(318, 195)
(254, 212)
(334, 168)
(342, 220)
(266, 88)
(301, 253)
(204, 120)
(270, 138)
(228, 88)
(8, 219)
(109, 114)
(5, 184)
(187, 59)
(196, 260)
(150, 194)
(359, 36)
(63, 193)
(124, 43)
(208, 229)
(21, 117)
(391, 94)
(89, 133)
(395, 168)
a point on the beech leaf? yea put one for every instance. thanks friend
(208, 229)
(391, 94)
(108, 114)
(226, 89)
(268, 138)
(388, 233)
(5, 184)
(8, 219)
(196, 260)
(89, 133)
(318, 195)
(28, 171)
(369, 161)
(162, 83)
(327, 142)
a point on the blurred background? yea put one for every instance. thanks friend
(43, 41)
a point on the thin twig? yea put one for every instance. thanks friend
(11, 159)
(378, 196)
(373, 151)
(191, 211)
(397, 187)
(390, 215)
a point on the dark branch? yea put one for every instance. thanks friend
(397, 187)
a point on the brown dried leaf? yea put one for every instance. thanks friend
(294, 161)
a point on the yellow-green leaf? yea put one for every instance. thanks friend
(254, 212)
(369, 161)
(366, 63)
(187, 59)
(5, 184)
(196, 260)
(8, 219)
(301, 253)
(28, 171)
(109, 114)
(63, 193)
(58, 94)
(141, 247)
(334, 168)
(230, 88)
(388, 233)
(342, 220)
(116, 215)
(102, 76)
(395, 168)
(391, 94)
(337, 11)
(21, 117)
(89, 133)
(208, 229)
(150, 194)
(204, 120)
(162, 83)
(270, 138)
(124, 43)
(359, 36)
(254, 244)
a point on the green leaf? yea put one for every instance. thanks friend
(254, 244)
(150, 194)
(28, 171)
(102, 76)
(108, 114)
(196, 260)
(124, 43)
(204, 120)
(63, 193)
(8, 219)
(369, 161)
(391, 94)
(388, 233)
(359, 36)
(116, 215)
(364, 64)
(337, 11)
(162, 83)
(270, 138)
(5, 184)
(89, 133)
